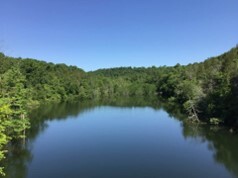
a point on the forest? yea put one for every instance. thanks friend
(206, 92)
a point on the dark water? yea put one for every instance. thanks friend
(130, 139)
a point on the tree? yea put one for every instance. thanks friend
(192, 94)
(13, 115)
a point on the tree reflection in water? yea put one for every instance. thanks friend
(222, 143)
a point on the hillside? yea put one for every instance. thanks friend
(205, 90)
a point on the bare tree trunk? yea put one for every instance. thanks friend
(193, 111)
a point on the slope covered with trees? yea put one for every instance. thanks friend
(206, 91)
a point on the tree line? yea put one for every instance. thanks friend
(206, 91)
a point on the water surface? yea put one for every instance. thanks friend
(94, 140)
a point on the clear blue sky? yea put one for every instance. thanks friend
(94, 34)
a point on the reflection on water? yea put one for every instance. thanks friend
(223, 144)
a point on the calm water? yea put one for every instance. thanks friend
(109, 141)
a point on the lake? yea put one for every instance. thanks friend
(125, 140)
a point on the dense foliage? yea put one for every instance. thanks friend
(207, 91)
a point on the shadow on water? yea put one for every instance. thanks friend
(223, 144)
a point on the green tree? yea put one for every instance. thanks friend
(192, 94)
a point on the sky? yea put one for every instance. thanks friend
(93, 34)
